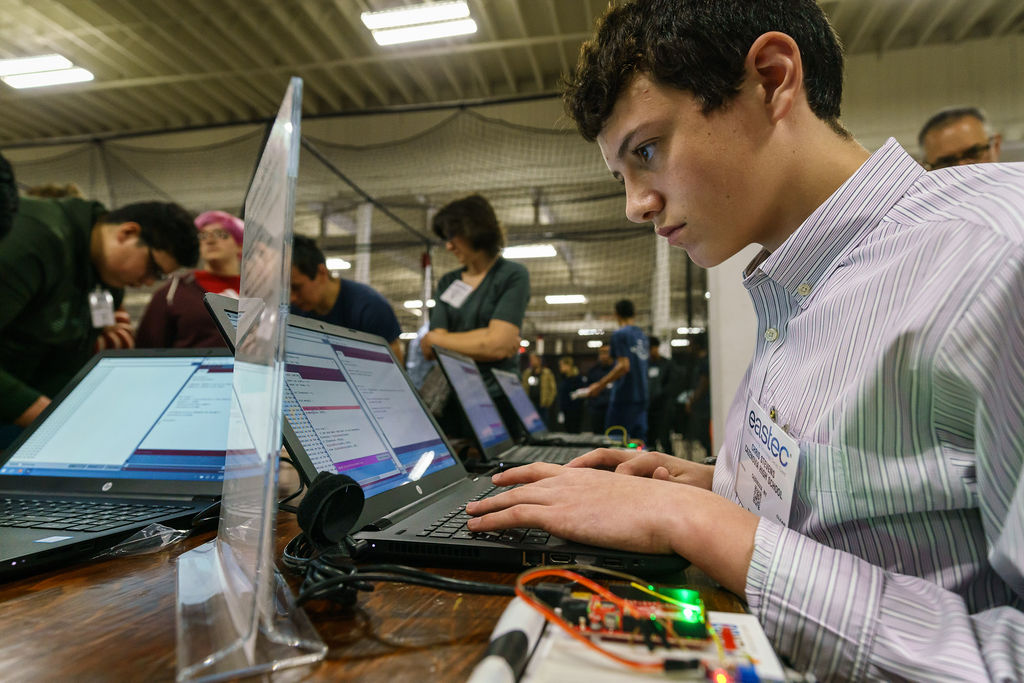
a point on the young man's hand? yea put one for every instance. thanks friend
(630, 513)
(586, 505)
(648, 464)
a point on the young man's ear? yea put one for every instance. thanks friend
(774, 62)
(322, 272)
(128, 230)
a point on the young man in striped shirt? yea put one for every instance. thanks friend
(868, 500)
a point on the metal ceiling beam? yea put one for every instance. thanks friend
(937, 18)
(901, 20)
(471, 48)
(977, 10)
(485, 19)
(538, 77)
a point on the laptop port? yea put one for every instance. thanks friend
(614, 563)
(559, 558)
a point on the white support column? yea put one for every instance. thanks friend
(428, 268)
(732, 327)
(364, 228)
(661, 294)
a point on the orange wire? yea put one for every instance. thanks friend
(550, 615)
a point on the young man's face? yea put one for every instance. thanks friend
(698, 178)
(962, 141)
(127, 261)
(306, 291)
(217, 244)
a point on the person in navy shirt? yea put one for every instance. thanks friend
(627, 404)
(316, 294)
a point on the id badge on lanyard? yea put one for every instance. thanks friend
(101, 308)
(456, 294)
(767, 469)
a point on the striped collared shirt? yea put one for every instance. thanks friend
(891, 347)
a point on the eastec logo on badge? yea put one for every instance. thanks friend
(765, 433)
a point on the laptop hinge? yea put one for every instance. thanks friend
(413, 507)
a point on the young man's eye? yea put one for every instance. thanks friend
(644, 152)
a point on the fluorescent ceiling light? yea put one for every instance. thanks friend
(593, 332)
(680, 342)
(416, 14)
(530, 251)
(594, 344)
(30, 65)
(565, 299)
(525, 343)
(335, 263)
(417, 303)
(41, 78)
(412, 34)
(407, 335)
(689, 330)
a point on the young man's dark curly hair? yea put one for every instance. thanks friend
(699, 46)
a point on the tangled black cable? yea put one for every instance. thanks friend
(332, 575)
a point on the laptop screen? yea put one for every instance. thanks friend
(520, 401)
(483, 415)
(135, 417)
(354, 412)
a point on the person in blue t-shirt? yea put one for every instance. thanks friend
(316, 294)
(627, 405)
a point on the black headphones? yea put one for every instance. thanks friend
(330, 509)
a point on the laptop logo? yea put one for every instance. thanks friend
(52, 539)
(107, 485)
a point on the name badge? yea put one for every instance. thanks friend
(456, 294)
(101, 308)
(769, 458)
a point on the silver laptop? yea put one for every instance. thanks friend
(136, 437)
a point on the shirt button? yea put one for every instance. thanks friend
(771, 334)
(804, 289)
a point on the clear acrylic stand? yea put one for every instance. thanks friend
(235, 615)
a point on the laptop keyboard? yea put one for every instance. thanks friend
(453, 525)
(556, 454)
(76, 515)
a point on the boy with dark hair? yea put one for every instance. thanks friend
(627, 380)
(65, 264)
(316, 293)
(868, 499)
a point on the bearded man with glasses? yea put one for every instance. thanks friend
(958, 136)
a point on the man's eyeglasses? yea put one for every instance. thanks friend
(215, 234)
(153, 269)
(971, 154)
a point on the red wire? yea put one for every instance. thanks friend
(550, 615)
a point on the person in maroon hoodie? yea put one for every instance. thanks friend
(176, 316)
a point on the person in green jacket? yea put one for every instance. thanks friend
(65, 263)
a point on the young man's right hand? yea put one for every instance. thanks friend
(648, 464)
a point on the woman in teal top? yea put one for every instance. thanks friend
(480, 306)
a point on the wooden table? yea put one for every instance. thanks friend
(114, 621)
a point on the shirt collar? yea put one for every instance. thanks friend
(853, 211)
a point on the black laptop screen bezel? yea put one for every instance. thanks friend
(102, 486)
(540, 433)
(378, 506)
(494, 451)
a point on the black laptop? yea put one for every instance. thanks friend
(351, 408)
(493, 438)
(536, 431)
(137, 437)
